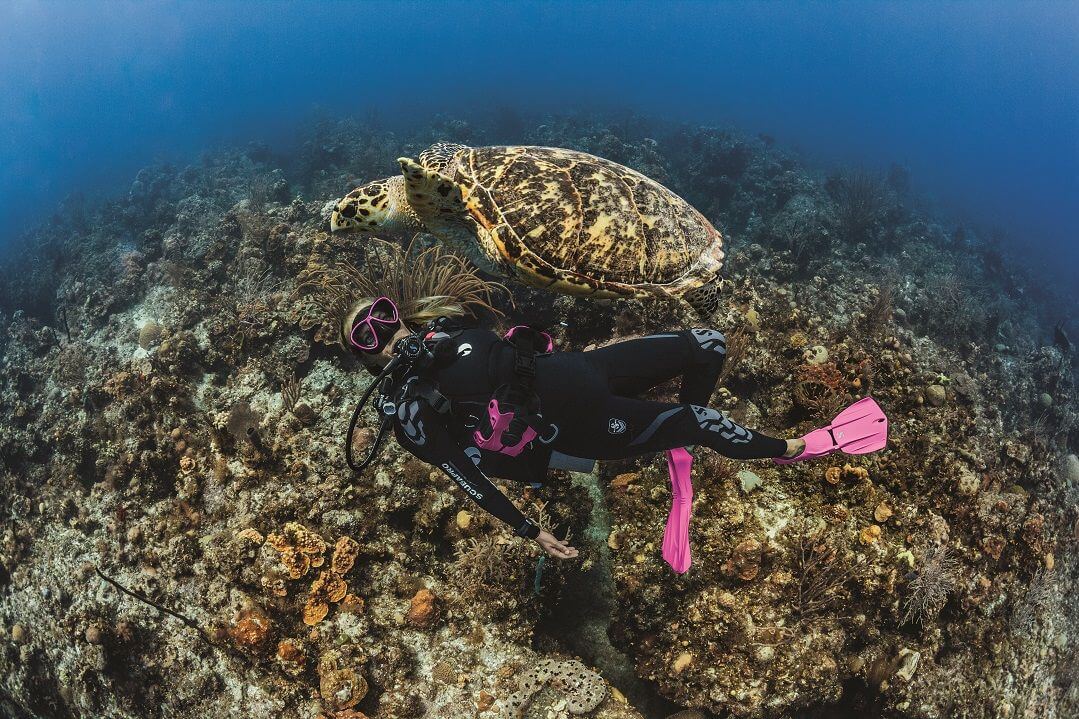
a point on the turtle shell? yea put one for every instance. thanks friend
(584, 214)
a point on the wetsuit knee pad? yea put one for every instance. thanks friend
(712, 420)
(709, 345)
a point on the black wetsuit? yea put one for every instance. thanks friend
(589, 396)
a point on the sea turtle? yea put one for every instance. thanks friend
(552, 218)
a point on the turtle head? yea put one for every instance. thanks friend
(377, 206)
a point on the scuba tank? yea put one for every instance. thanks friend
(507, 424)
(513, 416)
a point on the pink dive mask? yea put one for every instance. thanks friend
(371, 332)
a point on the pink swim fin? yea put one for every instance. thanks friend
(676, 535)
(859, 429)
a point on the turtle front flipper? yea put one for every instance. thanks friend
(439, 156)
(437, 199)
(441, 204)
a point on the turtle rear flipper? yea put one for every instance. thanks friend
(437, 199)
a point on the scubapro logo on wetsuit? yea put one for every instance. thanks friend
(452, 471)
(464, 350)
(616, 426)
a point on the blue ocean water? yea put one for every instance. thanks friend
(979, 100)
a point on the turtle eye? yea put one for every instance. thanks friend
(349, 211)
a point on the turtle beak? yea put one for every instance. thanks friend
(335, 222)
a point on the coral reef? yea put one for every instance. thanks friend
(173, 411)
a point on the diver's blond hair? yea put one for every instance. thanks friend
(424, 282)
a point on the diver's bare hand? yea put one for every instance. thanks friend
(555, 548)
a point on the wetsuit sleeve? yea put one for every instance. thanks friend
(422, 431)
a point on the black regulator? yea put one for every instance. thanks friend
(412, 355)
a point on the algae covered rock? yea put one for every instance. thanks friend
(1071, 470)
(749, 480)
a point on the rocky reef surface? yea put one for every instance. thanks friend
(180, 536)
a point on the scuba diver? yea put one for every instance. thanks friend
(476, 405)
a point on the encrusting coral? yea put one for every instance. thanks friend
(345, 552)
(300, 548)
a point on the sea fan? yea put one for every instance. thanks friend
(930, 589)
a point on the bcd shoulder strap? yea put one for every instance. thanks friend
(425, 389)
(527, 342)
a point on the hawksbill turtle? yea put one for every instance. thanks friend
(551, 218)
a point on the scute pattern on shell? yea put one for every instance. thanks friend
(584, 213)
(438, 156)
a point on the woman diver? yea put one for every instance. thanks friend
(476, 404)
